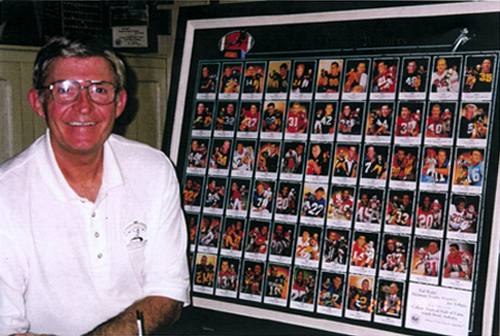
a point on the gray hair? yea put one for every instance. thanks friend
(75, 46)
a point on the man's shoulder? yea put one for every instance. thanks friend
(133, 151)
(17, 164)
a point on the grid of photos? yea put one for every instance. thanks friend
(329, 185)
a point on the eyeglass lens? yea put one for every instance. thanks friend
(68, 91)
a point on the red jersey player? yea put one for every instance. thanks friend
(436, 126)
(250, 119)
(297, 119)
(406, 125)
(458, 263)
(343, 204)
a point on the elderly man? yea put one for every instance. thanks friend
(91, 228)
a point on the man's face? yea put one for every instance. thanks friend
(476, 158)
(412, 66)
(370, 153)
(260, 188)
(390, 245)
(194, 146)
(361, 241)
(300, 70)
(382, 68)
(263, 231)
(334, 69)
(361, 67)
(274, 271)
(316, 151)
(234, 186)
(189, 184)
(257, 270)
(436, 113)
(400, 154)
(470, 111)
(331, 236)
(405, 113)
(345, 195)
(406, 200)
(486, 66)
(230, 109)
(393, 289)
(352, 152)
(453, 251)
(285, 190)
(253, 109)
(300, 276)
(240, 148)
(441, 157)
(441, 66)
(427, 202)
(433, 247)
(270, 109)
(283, 72)
(204, 72)
(337, 281)
(279, 230)
(227, 72)
(460, 206)
(272, 149)
(365, 286)
(328, 109)
(300, 149)
(203, 260)
(305, 235)
(346, 110)
(224, 266)
(251, 71)
(80, 127)
(200, 109)
(319, 194)
(364, 199)
(385, 111)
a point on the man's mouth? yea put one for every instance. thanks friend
(82, 123)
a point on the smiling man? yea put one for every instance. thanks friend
(91, 228)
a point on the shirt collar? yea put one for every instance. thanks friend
(55, 180)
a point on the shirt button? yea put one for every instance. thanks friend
(99, 256)
(93, 214)
(96, 234)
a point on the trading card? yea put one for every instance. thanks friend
(323, 121)
(207, 81)
(336, 250)
(268, 159)
(318, 162)
(303, 289)
(282, 240)
(384, 78)
(458, 265)
(238, 200)
(227, 277)
(379, 123)
(192, 193)
(244, 158)
(225, 123)
(303, 79)
(278, 79)
(426, 260)
(430, 214)
(440, 124)
(293, 159)
(404, 167)
(435, 168)
(297, 121)
(288, 201)
(220, 158)
(257, 240)
(230, 81)
(350, 121)
(277, 281)
(202, 120)
(197, 157)
(331, 294)
(345, 166)
(360, 298)
(399, 214)
(272, 120)
(329, 79)
(369, 209)
(463, 216)
(204, 273)
(215, 195)
(232, 238)
(253, 80)
(341, 206)
(209, 234)
(445, 78)
(414, 76)
(473, 124)
(307, 249)
(252, 278)
(374, 171)
(192, 220)
(356, 79)
(263, 199)
(394, 261)
(248, 126)
(363, 252)
(389, 302)
(469, 170)
(409, 123)
(479, 77)
(314, 203)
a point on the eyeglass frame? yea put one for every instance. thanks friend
(51, 87)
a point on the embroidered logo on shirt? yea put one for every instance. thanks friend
(136, 235)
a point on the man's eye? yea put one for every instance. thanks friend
(65, 89)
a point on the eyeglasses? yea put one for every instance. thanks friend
(67, 91)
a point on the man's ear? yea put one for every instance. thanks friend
(121, 102)
(36, 103)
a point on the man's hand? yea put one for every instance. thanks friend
(159, 312)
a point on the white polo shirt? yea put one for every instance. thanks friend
(67, 264)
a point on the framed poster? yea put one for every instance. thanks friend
(362, 163)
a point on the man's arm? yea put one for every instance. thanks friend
(159, 312)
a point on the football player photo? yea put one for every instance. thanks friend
(458, 265)
(314, 205)
(469, 170)
(192, 220)
(350, 121)
(293, 159)
(430, 214)
(303, 289)
(463, 216)
(445, 78)
(257, 240)
(435, 168)
(369, 208)
(345, 166)
(232, 238)
(249, 120)
(277, 281)
(479, 77)
(252, 280)
(272, 120)
(202, 121)
(297, 121)
(268, 159)
(375, 165)
(389, 302)
(253, 80)
(404, 165)
(230, 81)
(209, 234)
(318, 162)
(379, 125)
(336, 247)
(409, 123)
(287, 201)
(214, 195)
(225, 123)
(262, 199)
(356, 79)
(281, 242)
(220, 157)
(329, 79)
(341, 205)
(414, 78)
(307, 249)
(197, 157)
(384, 78)
(399, 214)
(278, 79)
(207, 80)
(394, 256)
(227, 277)
(303, 79)
(204, 273)
(244, 158)
(331, 293)
(426, 260)
(473, 125)
(360, 299)
(237, 204)
(192, 193)
(364, 251)
(440, 124)
(323, 124)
